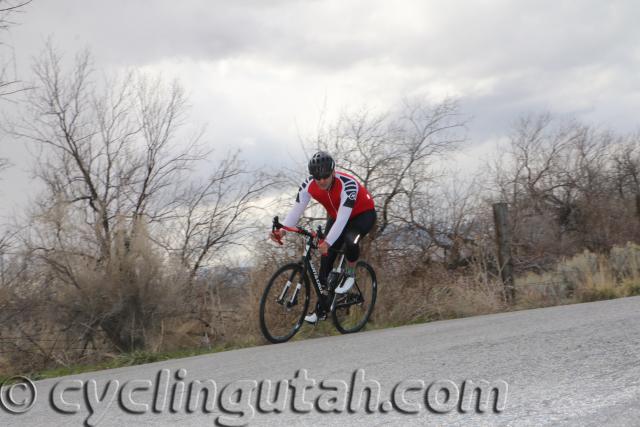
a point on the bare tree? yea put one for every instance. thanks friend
(114, 157)
(626, 171)
(393, 154)
(215, 215)
(8, 10)
(559, 178)
(6, 235)
(8, 86)
(443, 218)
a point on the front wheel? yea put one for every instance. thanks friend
(284, 303)
(353, 309)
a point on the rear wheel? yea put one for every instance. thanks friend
(284, 303)
(353, 309)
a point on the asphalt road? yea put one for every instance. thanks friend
(569, 365)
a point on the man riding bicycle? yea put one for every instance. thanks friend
(351, 216)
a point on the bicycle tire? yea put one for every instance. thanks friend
(276, 284)
(342, 314)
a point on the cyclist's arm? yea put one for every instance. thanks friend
(302, 200)
(347, 201)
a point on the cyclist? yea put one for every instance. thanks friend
(351, 216)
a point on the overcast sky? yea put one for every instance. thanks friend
(260, 72)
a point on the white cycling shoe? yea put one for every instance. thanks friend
(345, 286)
(313, 317)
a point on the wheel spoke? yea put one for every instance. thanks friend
(284, 304)
(354, 308)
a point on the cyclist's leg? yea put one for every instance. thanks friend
(355, 230)
(326, 264)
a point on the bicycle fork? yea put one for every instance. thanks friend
(294, 298)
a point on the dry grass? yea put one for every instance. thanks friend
(227, 316)
(584, 277)
(435, 293)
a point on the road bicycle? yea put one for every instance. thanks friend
(285, 300)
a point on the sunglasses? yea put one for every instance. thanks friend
(319, 177)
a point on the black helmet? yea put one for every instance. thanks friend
(321, 165)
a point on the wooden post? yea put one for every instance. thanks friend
(503, 240)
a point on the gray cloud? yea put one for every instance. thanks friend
(256, 69)
(455, 35)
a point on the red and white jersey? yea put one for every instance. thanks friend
(345, 199)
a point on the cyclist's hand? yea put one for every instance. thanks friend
(324, 247)
(277, 235)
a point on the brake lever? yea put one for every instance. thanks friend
(274, 227)
(276, 224)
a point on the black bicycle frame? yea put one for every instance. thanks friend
(307, 265)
